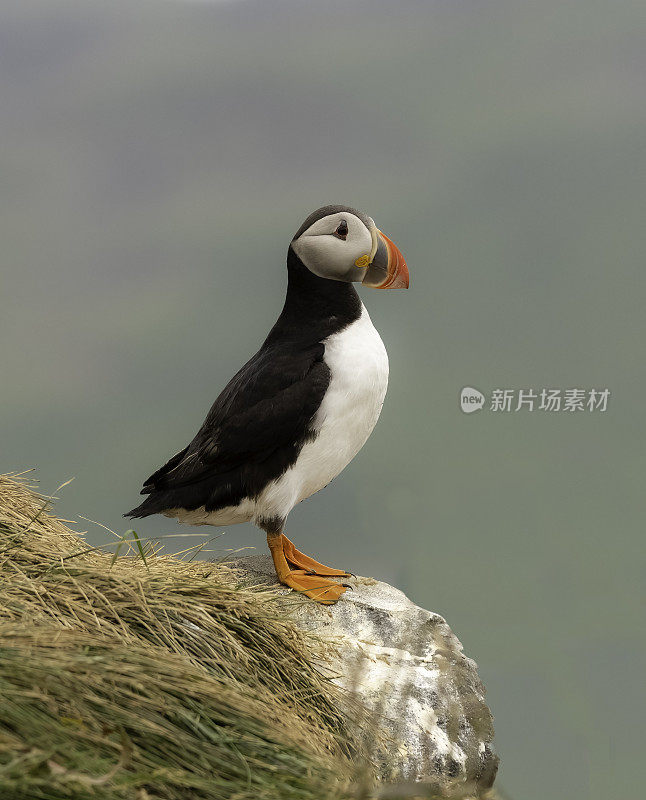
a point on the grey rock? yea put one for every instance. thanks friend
(405, 665)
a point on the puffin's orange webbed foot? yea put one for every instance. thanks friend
(319, 589)
(304, 580)
(299, 560)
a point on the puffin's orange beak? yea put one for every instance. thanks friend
(387, 269)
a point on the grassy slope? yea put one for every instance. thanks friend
(158, 678)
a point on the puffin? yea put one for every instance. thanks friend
(301, 408)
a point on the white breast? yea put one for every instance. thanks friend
(350, 409)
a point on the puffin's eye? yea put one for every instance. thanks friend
(342, 229)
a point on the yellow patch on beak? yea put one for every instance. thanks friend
(363, 261)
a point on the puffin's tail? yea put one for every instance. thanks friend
(156, 502)
(139, 512)
(151, 505)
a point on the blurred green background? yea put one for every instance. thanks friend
(156, 159)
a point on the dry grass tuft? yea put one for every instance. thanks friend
(149, 676)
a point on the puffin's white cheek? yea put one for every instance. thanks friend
(325, 256)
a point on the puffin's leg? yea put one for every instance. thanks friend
(319, 589)
(297, 559)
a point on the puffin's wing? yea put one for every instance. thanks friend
(264, 412)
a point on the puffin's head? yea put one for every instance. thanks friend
(342, 244)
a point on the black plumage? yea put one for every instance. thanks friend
(257, 426)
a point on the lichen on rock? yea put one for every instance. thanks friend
(429, 718)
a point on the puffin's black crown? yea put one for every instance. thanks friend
(325, 211)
